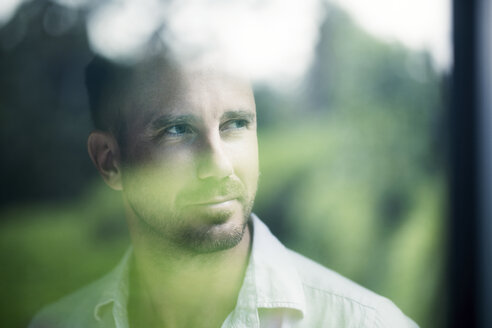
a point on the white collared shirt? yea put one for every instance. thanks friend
(281, 288)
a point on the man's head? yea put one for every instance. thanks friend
(180, 143)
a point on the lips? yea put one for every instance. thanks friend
(212, 193)
(213, 201)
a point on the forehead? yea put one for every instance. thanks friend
(203, 92)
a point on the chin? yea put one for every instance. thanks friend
(196, 230)
(215, 235)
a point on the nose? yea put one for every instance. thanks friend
(213, 160)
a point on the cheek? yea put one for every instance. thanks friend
(155, 169)
(245, 159)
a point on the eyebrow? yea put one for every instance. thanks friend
(169, 119)
(243, 114)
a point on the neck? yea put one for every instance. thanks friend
(181, 289)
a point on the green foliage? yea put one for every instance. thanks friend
(48, 251)
(356, 203)
(355, 179)
(352, 176)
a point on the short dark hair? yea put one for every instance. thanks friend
(112, 87)
(106, 82)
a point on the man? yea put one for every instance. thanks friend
(179, 142)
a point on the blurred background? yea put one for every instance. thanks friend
(352, 105)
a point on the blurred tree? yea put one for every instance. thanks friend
(352, 165)
(44, 114)
(356, 178)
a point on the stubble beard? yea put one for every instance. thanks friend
(177, 230)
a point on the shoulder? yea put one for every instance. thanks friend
(78, 309)
(74, 310)
(342, 301)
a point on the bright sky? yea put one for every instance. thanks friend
(418, 24)
(7, 10)
(259, 39)
(277, 37)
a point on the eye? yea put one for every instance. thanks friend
(177, 130)
(235, 125)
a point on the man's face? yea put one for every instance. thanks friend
(190, 159)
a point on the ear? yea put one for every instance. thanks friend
(105, 154)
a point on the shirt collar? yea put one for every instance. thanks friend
(276, 279)
(271, 280)
(114, 296)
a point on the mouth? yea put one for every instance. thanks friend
(215, 211)
(214, 202)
